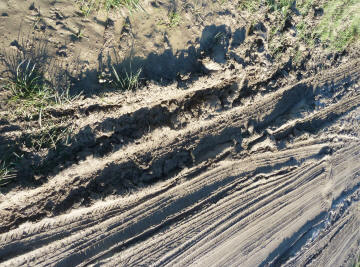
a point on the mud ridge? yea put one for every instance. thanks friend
(222, 165)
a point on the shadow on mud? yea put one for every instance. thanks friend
(170, 66)
(165, 68)
(15, 163)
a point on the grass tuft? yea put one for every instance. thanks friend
(126, 80)
(6, 173)
(280, 5)
(129, 4)
(27, 83)
(304, 6)
(49, 136)
(249, 5)
(30, 91)
(89, 6)
(33, 81)
(174, 19)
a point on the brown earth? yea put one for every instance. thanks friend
(227, 155)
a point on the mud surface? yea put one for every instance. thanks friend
(233, 159)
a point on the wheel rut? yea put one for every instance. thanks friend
(221, 175)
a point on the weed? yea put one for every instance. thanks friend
(277, 46)
(79, 34)
(196, 9)
(249, 5)
(27, 81)
(28, 49)
(304, 33)
(49, 136)
(337, 29)
(8, 161)
(36, 22)
(62, 97)
(6, 173)
(297, 57)
(221, 2)
(219, 38)
(89, 6)
(129, 4)
(304, 6)
(174, 19)
(283, 7)
(32, 79)
(126, 80)
(29, 87)
(280, 5)
(24, 76)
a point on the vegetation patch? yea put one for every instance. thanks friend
(6, 173)
(8, 161)
(34, 82)
(89, 6)
(337, 26)
(280, 5)
(249, 5)
(340, 24)
(125, 79)
(49, 136)
(304, 6)
(27, 85)
(174, 19)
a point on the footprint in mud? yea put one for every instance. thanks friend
(238, 37)
(215, 42)
(15, 44)
(62, 51)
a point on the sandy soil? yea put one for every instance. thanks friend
(225, 157)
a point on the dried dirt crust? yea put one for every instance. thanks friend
(241, 180)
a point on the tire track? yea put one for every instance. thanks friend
(242, 187)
